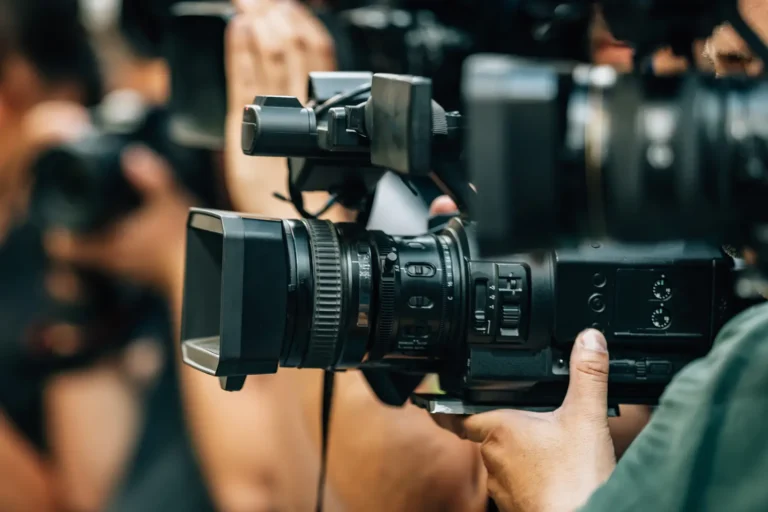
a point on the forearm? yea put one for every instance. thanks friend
(25, 482)
(90, 449)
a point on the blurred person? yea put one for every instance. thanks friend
(607, 50)
(61, 67)
(705, 447)
(74, 434)
(156, 468)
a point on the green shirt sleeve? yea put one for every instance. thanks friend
(706, 447)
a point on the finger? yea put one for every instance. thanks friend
(478, 427)
(64, 340)
(451, 422)
(269, 53)
(443, 205)
(89, 251)
(64, 285)
(55, 122)
(296, 67)
(251, 6)
(587, 395)
(147, 172)
(243, 76)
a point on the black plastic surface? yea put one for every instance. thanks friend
(235, 295)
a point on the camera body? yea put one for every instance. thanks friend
(79, 184)
(658, 306)
(497, 326)
(432, 39)
(264, 293)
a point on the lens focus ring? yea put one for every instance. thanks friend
(327, 304)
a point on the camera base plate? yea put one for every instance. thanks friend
(446, 404)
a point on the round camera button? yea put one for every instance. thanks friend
(597, 303)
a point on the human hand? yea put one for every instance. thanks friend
(271, 47)
(46, 124)
(147, 245)
(549, 461)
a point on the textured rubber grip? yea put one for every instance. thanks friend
(327, 303)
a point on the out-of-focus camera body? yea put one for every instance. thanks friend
(80, 185)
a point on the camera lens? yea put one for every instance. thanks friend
(80, 185)
(359, 295)
(62, 190)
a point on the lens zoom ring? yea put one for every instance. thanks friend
(386, 317)
(386, 309)
(327, 307)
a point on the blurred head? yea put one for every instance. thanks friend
(45, 55)
(728, 53)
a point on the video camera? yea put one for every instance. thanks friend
(466, 301)
(80, 186)
(266, 293)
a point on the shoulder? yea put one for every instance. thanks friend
(705, 428)
(736, 361)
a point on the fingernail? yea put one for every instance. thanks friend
(593, 340)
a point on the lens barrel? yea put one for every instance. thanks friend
(262, 293)
(366, 296)
(80, 185)
(587, 152)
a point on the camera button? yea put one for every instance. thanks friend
(420, 270)
(420, 302)
(659, 368)
(599, 280)
(621, 368)
(597, 303)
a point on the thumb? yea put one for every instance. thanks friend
(587, 395)
(443, 205)
(147, 172)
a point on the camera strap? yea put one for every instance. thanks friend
(328, 380)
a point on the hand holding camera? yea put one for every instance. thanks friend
(147, 245)
(572, 446)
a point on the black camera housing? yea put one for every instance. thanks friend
(659, 308)
(497, 328)
(79, 184)
(263, 293)
(193, 45)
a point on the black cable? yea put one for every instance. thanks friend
(341, 98)
(328, 381)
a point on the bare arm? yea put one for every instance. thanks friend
(25, 482)
(93, 421)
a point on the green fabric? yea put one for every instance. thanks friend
(706, 447)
